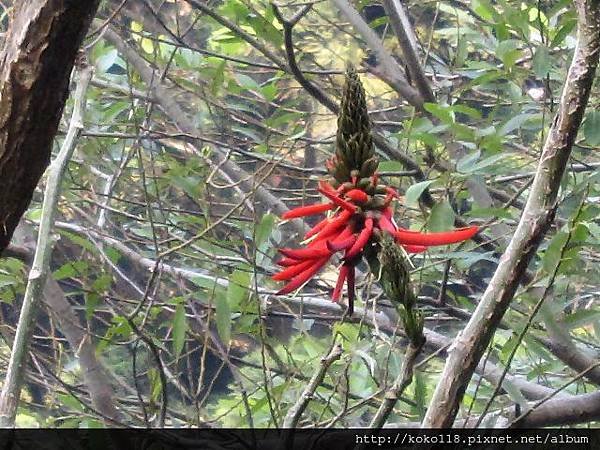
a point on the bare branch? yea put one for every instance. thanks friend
(11, 389)
(391, 71)
(295, 412)
(400, 384)
(400, 25)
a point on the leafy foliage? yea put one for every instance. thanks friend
(168, 222)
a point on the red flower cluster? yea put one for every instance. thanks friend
(360, 214)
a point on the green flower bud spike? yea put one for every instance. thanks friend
(394, 268)
(354, 152)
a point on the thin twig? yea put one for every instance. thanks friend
(40, 268)
(295, 412)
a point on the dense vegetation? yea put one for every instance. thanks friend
(206, 121)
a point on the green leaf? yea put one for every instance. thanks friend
(412, 194)
(591, 128)
(542, 61)
(263, 229)
(179, 329)
(484, 9)
(467, 110)
(106, 61)
(147, 45)
(563, 32)
(466, 162)
(552, 255)
(92, 300)
(516, 122)
(484, 163)
(390, 166)
(442, 217)
(444, 113)
(70, 270)
(236, 293)
(508, 52)
(581, 318)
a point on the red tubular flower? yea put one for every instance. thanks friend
(361, 241)
(386, 224)
(350, 229)
(309, 210)
(339, 237)
(335, 224)
(315, 252)
(303, 277)
(333, 196)
(357, 196)
(318, 227)
(294, 270)
(337, 292)
(406, 237)
(339, 245)
(286, 262)
(350, 283)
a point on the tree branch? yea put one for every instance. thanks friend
(400, 25)
(37, 60)
(391, 71)
(218, 158)
(400, 384)
(11, 389)
(295, 412)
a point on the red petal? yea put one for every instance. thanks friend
(351, 281)
(303, 277)
(362, 239)
(386, 225)
(337, 292)
(447, 237)
(357, 196)
(292, 271)
(391, 191)
(335, 224)
(318, 227)
(308, 210)
(285, 262)
(333, 196)
(338, 245)
(318, 251)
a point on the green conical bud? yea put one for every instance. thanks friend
(394, 267)
(354, 142)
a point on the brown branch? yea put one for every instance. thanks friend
(399, 22)
(551, 411)
(295, 412)
(537, 217)
(400, 384)
(391, 72)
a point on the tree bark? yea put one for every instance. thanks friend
(35, 65)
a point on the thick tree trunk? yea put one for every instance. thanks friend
(35, 65)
